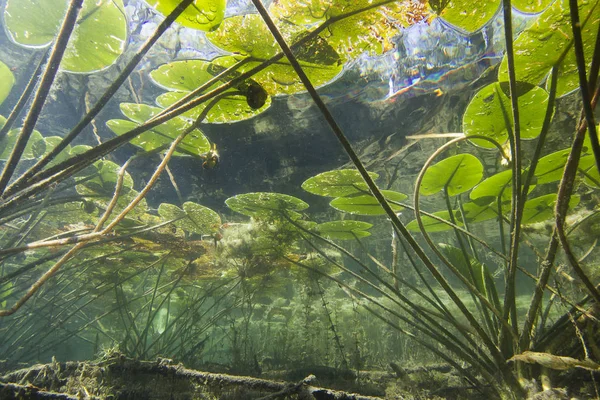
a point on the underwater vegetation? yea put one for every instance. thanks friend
(485, 260)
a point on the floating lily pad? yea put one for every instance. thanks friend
(490, 110)
(98, 40)
(194, 218)
(337, 183)
(549, 41)
(194, 144)
(456, 174)
(204, 15)
(531, 6)
(587, 167)
(367, 204)
(367, 31)
(281, 78)
(542, 208)
(7, 81)
(470, 16)
(344, 230)
(35, 146)
(233, 108)
(261, 204)
(476, 213)
(433, 225)
(550, 168)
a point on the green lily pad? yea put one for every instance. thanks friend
(106, 179)
(98, 40)
(367, 31)
(367, 204)
(542, 208)
(433, 225)
(265, 204)
(475, 272)
(7, 81)
(531, 6)
(489, 111)
(469, 16)
(456, 174)
(233, 108)
(204, 15)
(344, 230)
(35, 146)
(550, 168)
(281, 78)
(587, 166)
(194, 144)
(549, 41)
(337, 183)
(194, 218)
(477, 213)
(50, 143)
(490, 188)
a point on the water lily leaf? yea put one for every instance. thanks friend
(477, 213)
(489, 112)
(475, 272)
(204, 15)
(587, 166)
(337, 183)
(550, 167)
(35, 146)
(194, 218)
(542, 208)
(490, 188)
(50, 143)
(549, 42)
(266, 204)
(344, 230)
(7, 81)
(531, 6)
(281, 78)
(433, 225)
(456, 174)
(368, 31)
(98, 40)
(367, 204)
(194, 144)
(105, 180)
(469, 16)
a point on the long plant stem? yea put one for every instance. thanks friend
(54, 60)
(507, 374)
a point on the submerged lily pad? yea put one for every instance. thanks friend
(477, 213)
(531, 6)
(337, 183)
(490, 114)
(35, 146)
(194, 144)
(456, 174)
(433, 225)
(344, 230)
(7, 81)
(261, 204)
(205, 15)
(98, 39)
(542, 208)
(549, 41)
(367, 204)
(194, 218)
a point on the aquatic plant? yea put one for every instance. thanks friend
(316, 39)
